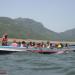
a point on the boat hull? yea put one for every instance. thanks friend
(44, 52)
(4, 52)
(9, 49)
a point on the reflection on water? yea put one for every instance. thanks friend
(38, 64)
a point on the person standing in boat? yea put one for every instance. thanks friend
(5, 39)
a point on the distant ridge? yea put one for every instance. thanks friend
(68, 35)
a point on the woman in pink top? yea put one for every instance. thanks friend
(14, 44)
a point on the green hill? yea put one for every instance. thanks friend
(26, 29)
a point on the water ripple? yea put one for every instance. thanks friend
(38, 64)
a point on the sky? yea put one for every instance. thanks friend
(56, 15)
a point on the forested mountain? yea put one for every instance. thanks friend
(26, 28)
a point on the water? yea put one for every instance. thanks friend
(37, 64)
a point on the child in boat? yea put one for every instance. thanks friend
(4, 40)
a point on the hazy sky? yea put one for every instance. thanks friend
(56, 15)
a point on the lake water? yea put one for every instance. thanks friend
(37, 64)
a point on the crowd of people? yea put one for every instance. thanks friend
(32, 44)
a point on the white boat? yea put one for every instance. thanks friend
(10, 49)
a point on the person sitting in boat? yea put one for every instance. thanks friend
(23, 44)
(19, 44)
(42, 44)
(5, 40)
(60, 45)
(14, 44)
(48, 44)
(30, 44)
